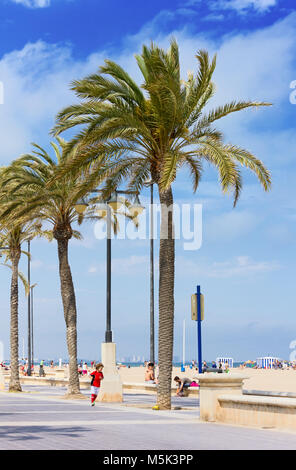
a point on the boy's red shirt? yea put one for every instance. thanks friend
(98, 376)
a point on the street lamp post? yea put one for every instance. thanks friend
(108, 333)
(152, 316)
(32, 323)
(32, 328)
(152, 328)
(29, 310)
(111, 387)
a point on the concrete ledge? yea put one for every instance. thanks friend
(266, 401)
(265, 393)
(212, 380)
(151, 388)
(263, 411)
(85, 384)
(140, 386)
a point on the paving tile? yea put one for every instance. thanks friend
(44, 420)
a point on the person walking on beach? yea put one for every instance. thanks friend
(97, 376)
(41, 369)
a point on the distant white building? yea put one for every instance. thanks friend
(224, 360)
(267, 362)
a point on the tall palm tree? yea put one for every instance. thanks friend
(11, 239)
(153, 131)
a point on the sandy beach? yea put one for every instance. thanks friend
(259, 379)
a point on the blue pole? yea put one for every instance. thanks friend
(199, 330)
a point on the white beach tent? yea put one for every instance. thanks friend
(224, 360)
(267, 362)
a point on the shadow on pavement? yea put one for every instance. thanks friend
(35, 432)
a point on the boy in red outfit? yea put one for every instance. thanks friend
(97, 376)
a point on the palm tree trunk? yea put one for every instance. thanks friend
(70, 314)
(14, 383)
(166, 300)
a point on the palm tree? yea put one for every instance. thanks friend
(32, 199)
(29, 197)
(11, 239)
(152, 131)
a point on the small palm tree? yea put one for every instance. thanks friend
(11, 239)
(152, 132)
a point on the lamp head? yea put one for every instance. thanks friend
(81, 206)
(101, 210)
(114, 202)
(136, 209)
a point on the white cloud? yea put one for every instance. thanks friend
(92, 269)
(36, 85)
(214, 17)
(242, 5)
(245, 68)
(36, 81)
(33, 3)
(229, 226)
(241, 265)
(238, 266)
(130, 265)
(36, 264)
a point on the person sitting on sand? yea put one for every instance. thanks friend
(149, 374)
(182, 384)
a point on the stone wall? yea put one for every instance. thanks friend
(266, 412)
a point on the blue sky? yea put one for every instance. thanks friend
(246, 264)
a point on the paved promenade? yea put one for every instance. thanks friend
(40, 418)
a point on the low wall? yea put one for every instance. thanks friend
(55, 382)
(85, 385)
(265, 393)
(151, 388)
(261, 411)
(212, 385)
